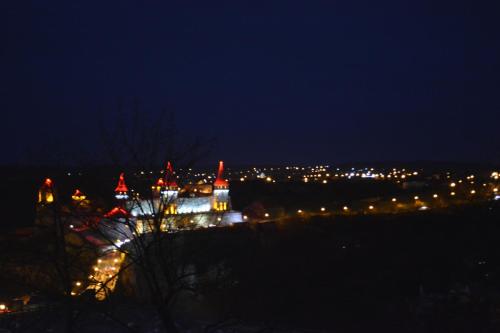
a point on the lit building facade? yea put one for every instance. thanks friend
(202, 205)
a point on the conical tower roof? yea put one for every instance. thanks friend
(170, 177)
(121, 187)
(219, 181)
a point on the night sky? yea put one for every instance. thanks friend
(273, 81)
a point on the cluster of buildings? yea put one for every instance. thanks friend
(200, 205)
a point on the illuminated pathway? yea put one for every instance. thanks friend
(105, 274)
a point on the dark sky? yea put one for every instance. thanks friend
(274, 81)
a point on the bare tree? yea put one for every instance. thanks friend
(151, 247)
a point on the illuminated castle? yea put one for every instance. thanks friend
(203, 204)
(200, 204)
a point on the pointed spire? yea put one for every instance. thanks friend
(170, 177)
(78, 195)
(160, 182)
(121, 187)
(220, 182)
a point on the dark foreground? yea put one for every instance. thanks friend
(425, 272)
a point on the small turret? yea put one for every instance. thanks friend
(121, 190)
(46, 192)
(158, 187)
(78, 196)
(45, 203)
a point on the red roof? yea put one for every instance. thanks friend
(160, 182)
(220, 182)
(121, 187)
(48, 182)
(77, 193)
(116, 212)
(170, 177)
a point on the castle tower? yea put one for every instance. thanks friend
(78, 196)
(221, 191)
(45, 203)
(46, 192)
(158, 187)
(121, 190)
(170, 190)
